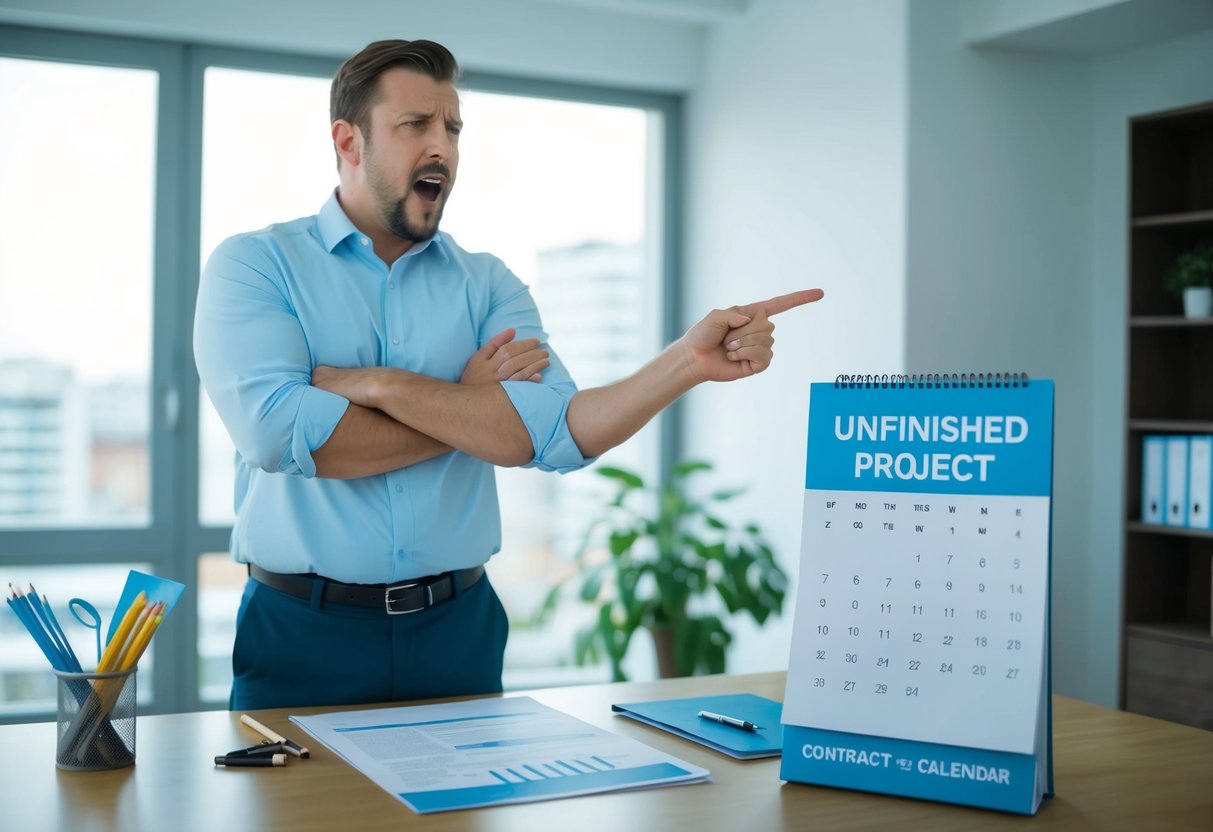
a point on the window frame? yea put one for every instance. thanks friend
(175, 538)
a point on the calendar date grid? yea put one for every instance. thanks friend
(909, 595)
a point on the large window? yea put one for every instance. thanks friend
(111, 458)
(75, 293)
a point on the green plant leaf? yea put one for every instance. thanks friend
(620, 542)
(685, 469)
(626, 478)
(585, 647)
(592, 585)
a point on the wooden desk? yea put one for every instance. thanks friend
(1113, 770)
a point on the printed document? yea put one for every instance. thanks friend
(485, 752)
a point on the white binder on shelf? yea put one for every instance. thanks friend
(1153, 478)
(1200, 480)
(1176, 487)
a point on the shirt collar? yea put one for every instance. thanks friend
(334, 227)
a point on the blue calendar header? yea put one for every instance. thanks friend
(948, 440)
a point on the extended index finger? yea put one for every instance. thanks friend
(782, 303)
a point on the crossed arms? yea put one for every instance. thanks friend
(398, 418)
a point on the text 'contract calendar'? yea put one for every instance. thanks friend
(920, 649)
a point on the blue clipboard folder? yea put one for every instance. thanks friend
(681, 717)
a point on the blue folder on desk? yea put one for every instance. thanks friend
(681, 717)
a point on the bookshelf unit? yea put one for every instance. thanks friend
(1167, 661)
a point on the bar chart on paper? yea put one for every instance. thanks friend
(486, 752)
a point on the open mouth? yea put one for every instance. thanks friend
(429, 188)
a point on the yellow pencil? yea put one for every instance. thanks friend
(131, 657)
(120, 659)
(114, 648)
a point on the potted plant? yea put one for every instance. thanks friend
(1192, 276)
(660, 560)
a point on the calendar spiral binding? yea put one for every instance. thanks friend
(930, 380)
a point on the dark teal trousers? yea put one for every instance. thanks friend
(292, 652)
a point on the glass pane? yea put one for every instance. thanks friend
(220, 584)
(578, 226)
(26, 682)
(75, 293)
(266, 157)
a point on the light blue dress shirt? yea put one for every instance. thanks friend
(276, 303)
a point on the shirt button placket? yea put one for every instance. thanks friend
(396, 480)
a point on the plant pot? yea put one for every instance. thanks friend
(1198, 301)
(663, 645)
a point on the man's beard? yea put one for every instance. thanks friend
(393, 209)
(397, 221)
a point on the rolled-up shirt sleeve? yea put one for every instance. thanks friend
(543, 406)
(254, 362)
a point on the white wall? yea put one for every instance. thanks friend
(796, 178)
(517, 37)
(1016, 243)
(999, 259)
(1173, 74)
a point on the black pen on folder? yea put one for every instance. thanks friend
(731, 721)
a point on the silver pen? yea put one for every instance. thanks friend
(731, 721)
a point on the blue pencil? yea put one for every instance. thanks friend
(21, 606)
(44, 620)
(73, 662)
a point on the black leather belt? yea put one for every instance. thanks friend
(394, 599)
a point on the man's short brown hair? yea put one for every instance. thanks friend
(356, 84)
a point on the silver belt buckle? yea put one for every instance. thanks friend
(387, 597)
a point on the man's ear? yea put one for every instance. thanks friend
(347, 140)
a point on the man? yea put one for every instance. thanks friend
(371, 373)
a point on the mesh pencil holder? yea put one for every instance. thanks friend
(96, 720)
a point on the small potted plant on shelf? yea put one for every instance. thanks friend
(1191, 276)
(660, 560)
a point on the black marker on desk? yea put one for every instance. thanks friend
(251, 760)
(259, 750)
(731, 721)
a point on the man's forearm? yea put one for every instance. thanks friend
(478, 419)
(367, 442)
(602, 418)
